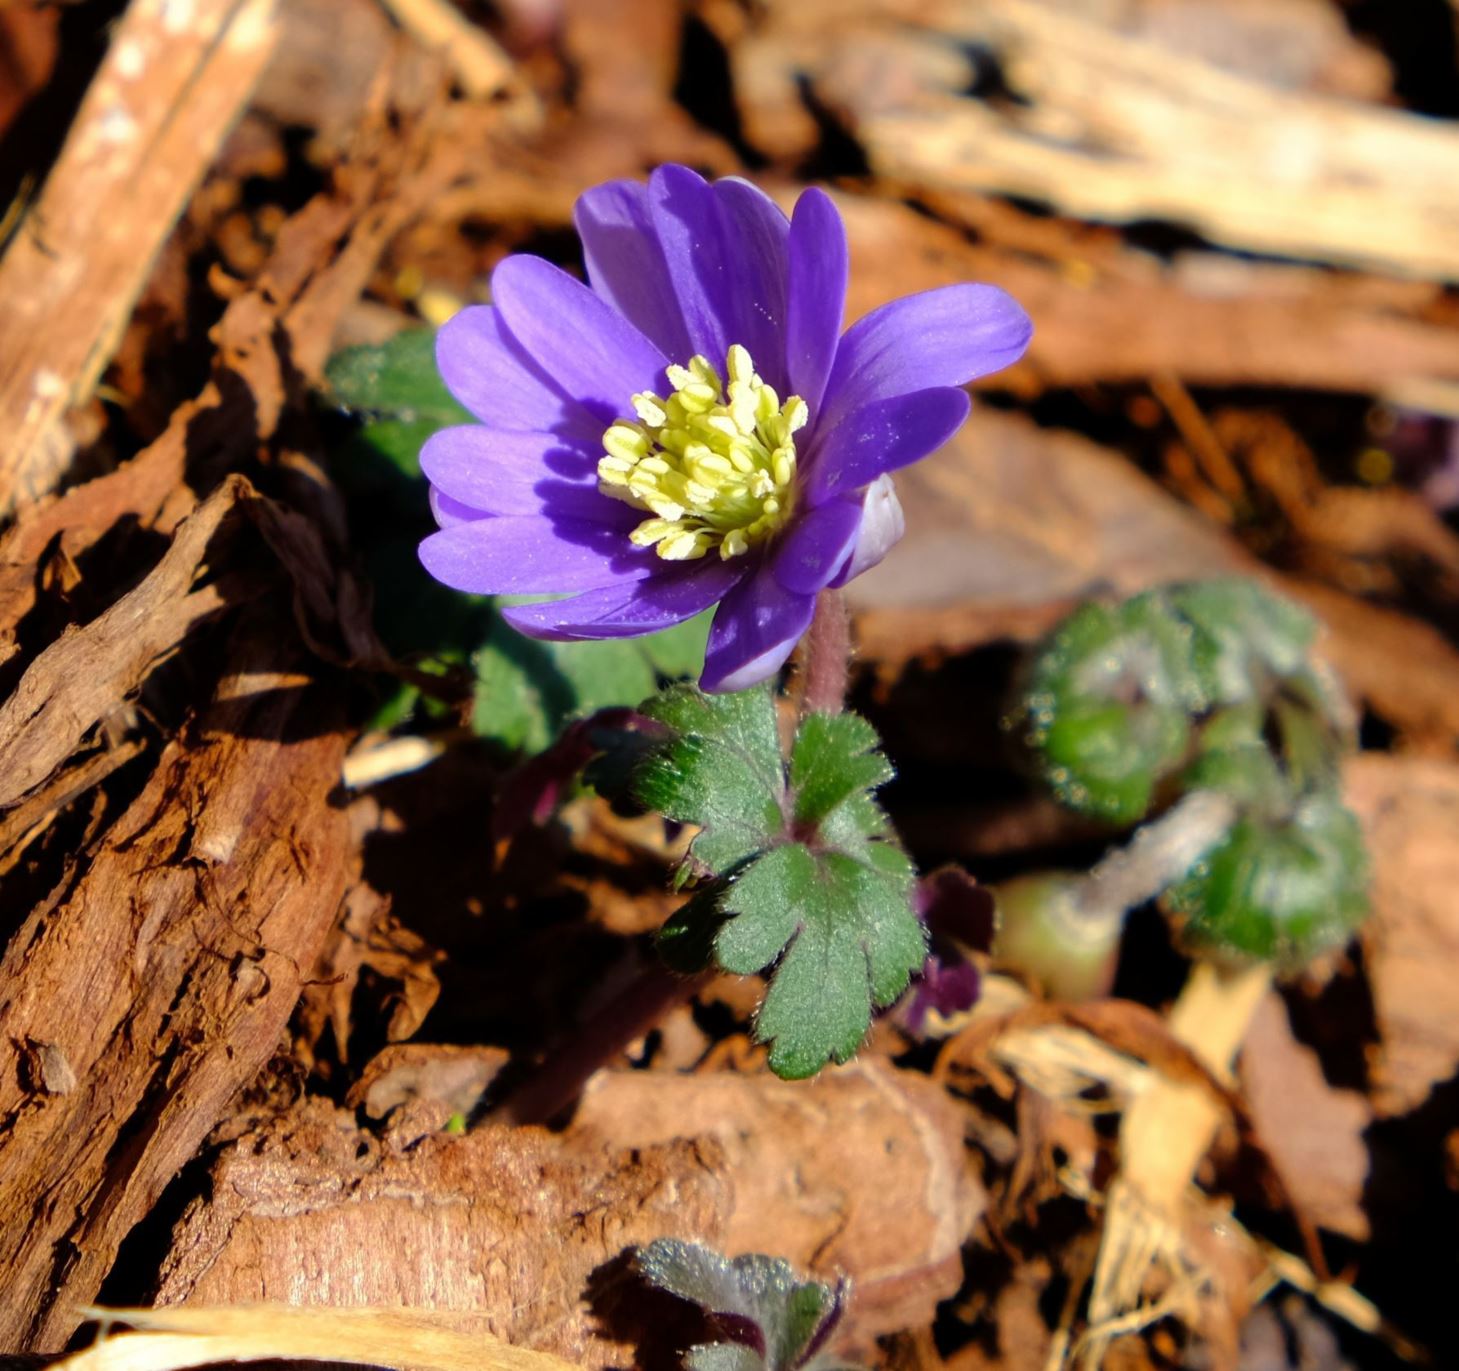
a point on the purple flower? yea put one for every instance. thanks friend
(694, 428)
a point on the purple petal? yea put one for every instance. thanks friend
(755, 628)
(448, 512)
(948, 986)
(816, 546)
(486, 369)
(626, 265)
(514, 554)
(944, 337)
(755, 235)
(519, 473)
(686, 218)
(817, 294)
(658, 601)
(883, 436)
(881, 529)
(589, 349)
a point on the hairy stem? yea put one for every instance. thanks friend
(827, 656)
(1064, 929)
(597, 1041)
(1157, 856)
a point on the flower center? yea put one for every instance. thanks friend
(715, 472)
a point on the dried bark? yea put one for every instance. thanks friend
(864, 1172)
(173, 82)
(154, 981)
(508, 1224)
(272, 336)
(1210, 320)
(1108, 126)
(88, 671)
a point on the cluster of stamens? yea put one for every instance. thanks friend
(715, 469)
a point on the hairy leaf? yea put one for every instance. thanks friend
(721, 769)
(767, 1320)
(809, 883)
(1279, 891)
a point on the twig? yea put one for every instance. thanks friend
(480, 64)
(1199, 436)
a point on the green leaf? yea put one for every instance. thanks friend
(808, 881)
(395, 380)
(1278, 891)
(1235, 759)
(1244, 636)
(721, 769)
(770, 1320)
(846, 938)
(834, 757)
(527, 690)
(1107, 704)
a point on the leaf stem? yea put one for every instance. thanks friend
(827, 656)
(1157, 856)
(561, 1075)
(1063, 929)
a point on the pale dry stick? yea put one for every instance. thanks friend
(173, 82)
(1166, 1131)
(478, 62)
(419, 1339)
(383, 760)
(1114, 127)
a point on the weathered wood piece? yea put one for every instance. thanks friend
(174, 80)
(154, 981)
(89, 670)
(866, 1173)
(1111, 126)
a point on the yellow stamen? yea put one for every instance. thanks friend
(714, 465)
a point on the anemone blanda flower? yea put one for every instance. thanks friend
(693, 427)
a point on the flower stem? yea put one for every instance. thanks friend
(827, 656)
(560, 1077)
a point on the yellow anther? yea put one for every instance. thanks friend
(714, 464)
(650, 409)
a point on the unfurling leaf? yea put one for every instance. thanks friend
(767, 1320)
(1281, 890)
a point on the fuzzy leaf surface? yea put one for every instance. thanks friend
(809, 883)
(721, 769)
(845, 938)
(766, 1318)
